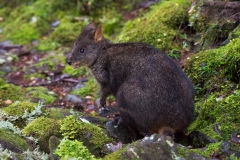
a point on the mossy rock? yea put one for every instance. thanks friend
(212, 21)
(43, 128)
(10, 92)
(17, 110)
(215, 69)
(158, 26)
(58, 113)
(215, 75)
(151, 148)
(116, 155)
(92, 136)
(13, 142)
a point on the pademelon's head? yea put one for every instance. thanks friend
(86, 49)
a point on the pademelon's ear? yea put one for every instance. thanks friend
(90, 26)
(98, 35)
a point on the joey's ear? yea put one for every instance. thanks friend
(90, 26)
(98, 35)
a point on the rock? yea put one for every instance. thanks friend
(215, 19)
(147, 4)
(53, 144)
(78, 86)
(55, 23)
(12, 142)
(4, 43)
(229, 148)
(97, 103)
(235, 137)
(107, 111)
(74, 98)
(154, 147)
(109, 148)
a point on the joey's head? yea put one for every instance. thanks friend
(87, 47)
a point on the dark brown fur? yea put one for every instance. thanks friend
(152, 93)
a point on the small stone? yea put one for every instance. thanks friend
(88, 97)
(97, 103)
(8, 101)
(55, 23)
(2, 61)
(78, 86)
(34, 19)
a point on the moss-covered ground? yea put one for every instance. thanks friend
(215, 75)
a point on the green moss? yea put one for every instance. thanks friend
(64, 34)
(14, 140)
(209, 149)
(67, 31)
(47, 45)
(73, 149)
(111, 21)
(33, 19)
(35, 75)
(90, 89)
(215, 69)
(215, 75)
(223, 112)
(10, 92)
(157, 27)
(30, 25)
(57, 113)
(18, 108)
(42, 127)
(81, 71)
(49, 64)
(41, 93)
(91, 135)
(25, 34)
(182, 151)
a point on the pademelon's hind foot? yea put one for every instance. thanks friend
(167, 131)
(177, 135)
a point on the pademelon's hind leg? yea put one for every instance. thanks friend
(130, 124)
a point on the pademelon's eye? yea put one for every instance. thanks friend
(81, 50)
